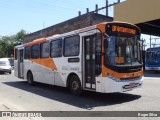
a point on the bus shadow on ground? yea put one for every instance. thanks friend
(154, 74)
(87, 100)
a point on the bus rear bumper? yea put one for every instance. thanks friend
(110, 86)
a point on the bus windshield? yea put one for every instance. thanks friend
(153, 57)
(122, 51)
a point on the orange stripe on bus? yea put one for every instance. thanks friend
(121, 75)
(47, 62)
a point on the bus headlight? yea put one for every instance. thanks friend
(114, 78)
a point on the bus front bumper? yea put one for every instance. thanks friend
(152, 68)
(110, 86)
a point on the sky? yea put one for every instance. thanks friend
(34, 15)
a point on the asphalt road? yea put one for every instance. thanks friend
(17, 95)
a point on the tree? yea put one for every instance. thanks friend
(7, 43)
(2, 48)
(20, 37)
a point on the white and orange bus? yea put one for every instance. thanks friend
(105, 58)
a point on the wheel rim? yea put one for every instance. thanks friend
(75, 85)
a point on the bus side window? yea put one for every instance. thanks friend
(27, 52)
(56, 48)
(35, 52)
(45, 50)
(72, 46)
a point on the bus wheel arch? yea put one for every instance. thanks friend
(30, 79)
(74, 84)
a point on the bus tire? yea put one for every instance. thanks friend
(75, 85)
(30, 78)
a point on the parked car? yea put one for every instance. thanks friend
(6, 65)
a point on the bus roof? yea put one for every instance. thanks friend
(153, 49)
(41, 40)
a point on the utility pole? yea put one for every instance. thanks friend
(142, 44)
(150, 40)
(97, 8)
(79, 13)
(106, 7)
(87, 10)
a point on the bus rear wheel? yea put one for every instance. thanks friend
(30, 78)
(75, 85)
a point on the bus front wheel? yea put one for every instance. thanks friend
(75, 85)
(30, 78)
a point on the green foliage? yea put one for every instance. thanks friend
(20, 36)
(7, 43)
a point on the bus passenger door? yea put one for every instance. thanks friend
(20, 63)
(89, 62)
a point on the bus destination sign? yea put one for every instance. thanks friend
(116, 28)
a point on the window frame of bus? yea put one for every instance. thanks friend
(33, 57)
(26, 57)
(98, 54)
(64, 46)
(42, 52)
(51, 50)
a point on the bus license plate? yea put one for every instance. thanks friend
(132, 85)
